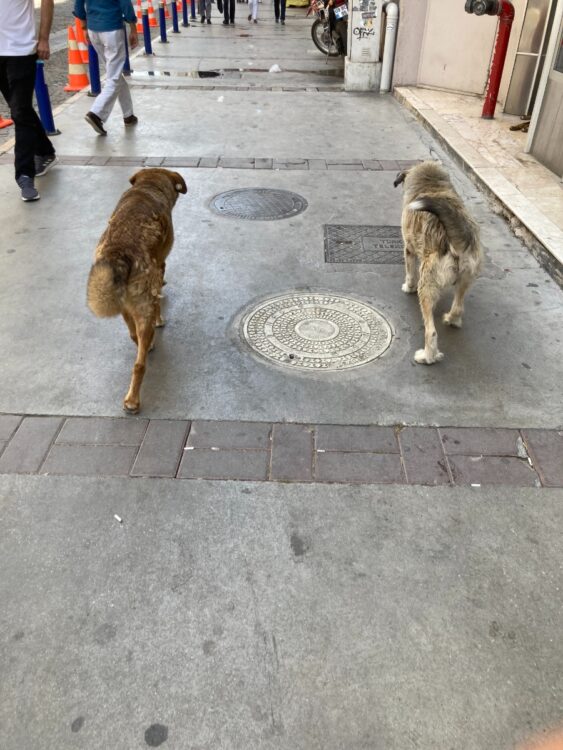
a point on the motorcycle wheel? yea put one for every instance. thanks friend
(321, 38)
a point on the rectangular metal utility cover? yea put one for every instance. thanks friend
(352, 243)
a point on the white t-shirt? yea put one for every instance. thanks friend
(17, 28)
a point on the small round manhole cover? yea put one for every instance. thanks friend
(259, 204)
(316, 331)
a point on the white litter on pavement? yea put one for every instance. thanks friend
(275, 69)
(118, 518)
(221, 99)
(475, 485)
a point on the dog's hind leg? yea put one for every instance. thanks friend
(145, 334)
(130, 325)
(428, 295)
(455, 316)
(410, 271)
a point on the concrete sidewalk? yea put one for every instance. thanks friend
(297, 610)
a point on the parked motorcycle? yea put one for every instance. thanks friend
(330, 44)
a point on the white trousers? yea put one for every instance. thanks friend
(110, 46)
(253, 9)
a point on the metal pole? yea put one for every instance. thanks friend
(127, 63)
(162, 22)
(175, 29)
(185, 21)
(43, 100)
(94, 71)
(392, 16)
(147, 32)
(506, 13)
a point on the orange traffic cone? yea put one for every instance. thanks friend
(139, 13)
(166, 11)
(77, 78)
(82, 42)
(152, 15)
(5, 123)
(179, 6)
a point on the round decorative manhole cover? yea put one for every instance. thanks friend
(316, 331)
(259, 204)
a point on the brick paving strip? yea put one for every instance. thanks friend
(224, 162)
(280, 452)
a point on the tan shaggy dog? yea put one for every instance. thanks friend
(129, 263)
(439, 233)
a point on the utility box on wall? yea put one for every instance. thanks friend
(362, 70)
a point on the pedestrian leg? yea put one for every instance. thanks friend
(110, 45)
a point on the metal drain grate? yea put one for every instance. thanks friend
(349, 243)
(259, 204)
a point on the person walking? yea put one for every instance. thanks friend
(19, 51)
(104, 20)
(279, 11)
(253, 10)
(204, 9)
(229, 12)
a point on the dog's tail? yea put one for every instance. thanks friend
(107, 284)
(462, 231)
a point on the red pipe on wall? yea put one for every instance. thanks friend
(506, 13)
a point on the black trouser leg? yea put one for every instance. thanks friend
(229, 10)
(17, 80)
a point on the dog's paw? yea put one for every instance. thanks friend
(131, 407)
(421, 358)
(454, 322)
(408, 289)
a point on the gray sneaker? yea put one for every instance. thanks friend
(44, 163)
(29, 193)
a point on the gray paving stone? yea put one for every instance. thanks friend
(377, 468)
(476, 441)
(356, 438)
(263, 163)
(3, 444)
(90, 460)
(8, 425)
(424, 457)
(234, 163)
(317, 164)
(98, 161)
(292, 453)
(126, 161)
(387, 164)
(298, 164)
(80, 161)
(178, 161)
(546, 451)
(154, 161)
(492, 470)
(26, 450)
(345, 162)
(344, 167)
(103, 430)
(209, 162)
(230, 435)
(372, 164)
(203, 463)
(408, 163)
(161, 449)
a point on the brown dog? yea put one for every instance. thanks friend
(129, 263)
(439, 232)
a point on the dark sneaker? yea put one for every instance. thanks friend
(250, 18)
(255, 20)
(277, 20)
(96, 123)
(44, 163)
(208, 20)
(202, 19)
(283, 21)
(29, 192)
(131, 120)
(225, 23)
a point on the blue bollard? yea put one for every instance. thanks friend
(43, 100)
(94, 71)
(127, 63)
(185, 21)
(147, 32)
(175, 28)
(192, 3)
(162, 22)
